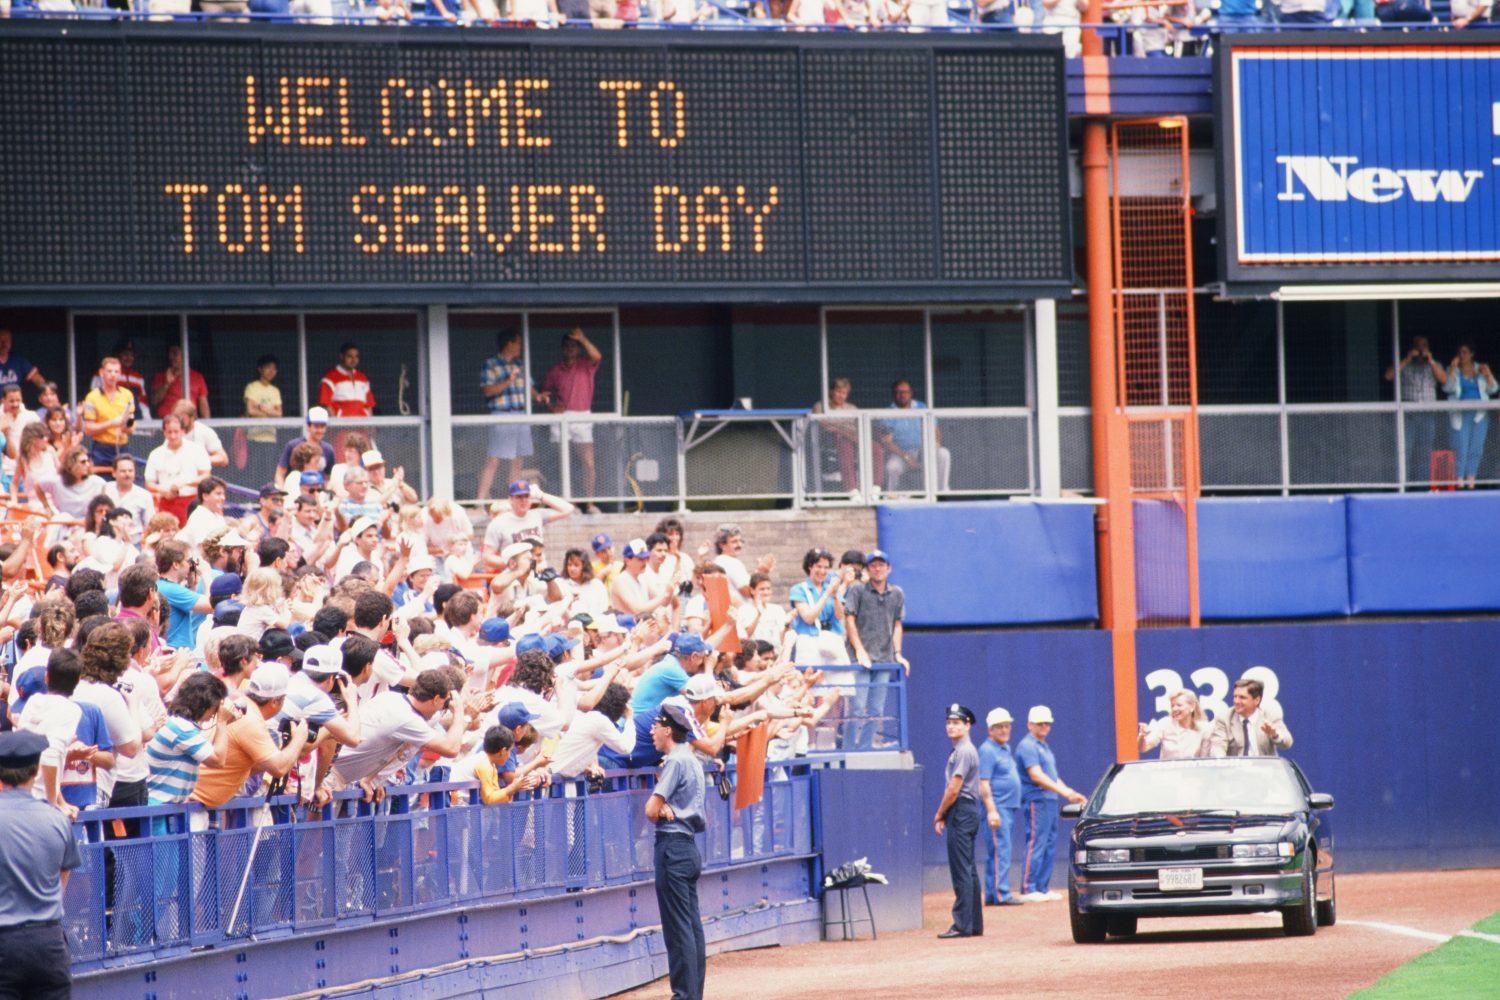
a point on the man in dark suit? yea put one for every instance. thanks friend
(1249, 731)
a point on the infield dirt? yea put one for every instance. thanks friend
(1027, 951)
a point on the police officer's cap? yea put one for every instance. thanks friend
(957, 711)
(21, 749)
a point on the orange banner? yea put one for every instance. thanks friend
(750, 766)
(716, 590)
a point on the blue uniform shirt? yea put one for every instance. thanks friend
(1032, 752)
(681, 786)
(998, 767)
(36, 847)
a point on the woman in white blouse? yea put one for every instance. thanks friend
(1184, 733)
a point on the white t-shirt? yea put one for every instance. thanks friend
(201, 523)
(440, 534)
(145, 699)
(186, 467)
(739, 576)
(579, 746)
(390, 732)
(508, 528)
(551, 718)
(204, 437)
(137, 501)
(770, 627)
(351, 557)
(56, 718)
(123, 728)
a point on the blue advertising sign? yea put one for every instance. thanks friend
(1359, 160)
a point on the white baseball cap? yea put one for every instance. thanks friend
(1039, 713)
(997, 717)
(317, 415)
(269, 680)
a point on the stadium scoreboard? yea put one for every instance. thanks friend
(145, 161)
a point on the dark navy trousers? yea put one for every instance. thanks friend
(677, 869)
(961, 830)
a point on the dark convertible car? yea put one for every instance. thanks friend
(1215, 835)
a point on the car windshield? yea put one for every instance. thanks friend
(1244, 785)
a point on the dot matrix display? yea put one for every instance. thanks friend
(148, 159)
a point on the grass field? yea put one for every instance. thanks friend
(1464, 968)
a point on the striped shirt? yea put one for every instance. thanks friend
(174, 754)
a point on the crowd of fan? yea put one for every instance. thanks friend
(364, 639)
(1160, 24)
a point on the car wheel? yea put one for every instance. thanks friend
(1088, 928)
(1328, 913)
(1120, 926)
(1301, 919)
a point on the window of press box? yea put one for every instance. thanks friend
(873, 348)
(226, 350)
(979, 358)
(391, 349)
(474, 338)
(38, 336)
(1337, 352)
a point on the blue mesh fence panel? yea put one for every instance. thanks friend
(354, 858)
(207, 919)
(497, 841)
(84, 904)
(393, 862)
(318, 881)
(132, 925)
(430, 851)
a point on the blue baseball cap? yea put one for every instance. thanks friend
(875, 554)
(688, 643)
(520, 488)
(626, 622)
(558, 644)
(494, 630)
(601, 541)
(225, 586)
(312, 479)
(515, 713)
(530, 642)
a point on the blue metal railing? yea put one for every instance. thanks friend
(871, 714)
(255, 869)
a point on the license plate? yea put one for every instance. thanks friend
(1179, 879)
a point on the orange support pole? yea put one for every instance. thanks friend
(1116, 556)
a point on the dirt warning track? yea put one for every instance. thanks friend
(1027, 952)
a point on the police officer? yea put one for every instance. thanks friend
(957, 819)
(676, 807)
(37, 850)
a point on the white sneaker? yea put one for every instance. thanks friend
(1035, 897)
(1052, 896)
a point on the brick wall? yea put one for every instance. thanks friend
(786, 534)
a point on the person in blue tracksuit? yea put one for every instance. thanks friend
(1040, 790)
(1000, 791)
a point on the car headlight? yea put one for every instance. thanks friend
(1112, 856)
(1284, 849)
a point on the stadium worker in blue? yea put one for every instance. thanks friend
(1000, 791)
(957, 821)
(1040, 790)
(676, 809)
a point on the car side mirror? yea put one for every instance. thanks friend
(1073, 810)
(1320, 800)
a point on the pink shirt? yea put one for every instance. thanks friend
(572, 387)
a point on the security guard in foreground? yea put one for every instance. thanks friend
(37, 851)
(957, 820)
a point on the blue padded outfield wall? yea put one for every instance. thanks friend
(1423, 552)
(984, 563)
(1395, 719)
(1001, 563)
